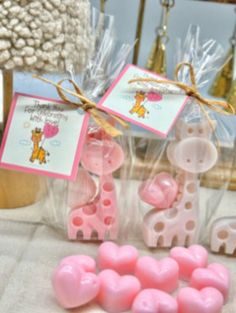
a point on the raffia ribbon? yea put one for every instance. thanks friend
(87, 105)
(222, 107)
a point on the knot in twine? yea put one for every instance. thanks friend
(86, 105)
(222, 107)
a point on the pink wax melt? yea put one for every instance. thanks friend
(117, 293)
(102, 157)
(215, 275)
(189, 259)
(72, 284)
(85, 262)
(162, 274)
(154, 301)
(207, 300)
(160, 191)
(120, 259)
(82, 191)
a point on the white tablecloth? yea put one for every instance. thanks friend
(29, 251)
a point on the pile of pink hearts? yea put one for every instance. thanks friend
(127, 282)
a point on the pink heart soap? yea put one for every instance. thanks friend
(189, 259)
(207, 300)
(82, 191)
(215, 275)
(163, 274)
(154, 301)
(117, 293)
(73, 286)
(120, 259)
(160, 191)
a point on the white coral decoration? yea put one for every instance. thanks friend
(45, 35)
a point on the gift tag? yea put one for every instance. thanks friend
(43, 136)
(147, 109)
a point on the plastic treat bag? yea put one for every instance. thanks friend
(180, 178)
(88, 208)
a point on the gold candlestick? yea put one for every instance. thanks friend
(139, 30)
(223, 80)
(102, 5)
(231, 96)
(157, 58)
(222, 85)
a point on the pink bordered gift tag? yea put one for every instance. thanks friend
(43, 136)
(150, 110)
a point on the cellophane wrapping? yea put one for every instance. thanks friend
(88, 208)
(175, 185)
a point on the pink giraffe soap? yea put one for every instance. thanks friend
(117, 293)
(189, 259)
(207, 300)
(158, 274)
(74, 282)
(215, 275)
(121, 259)
(154, 301)
(82, 191)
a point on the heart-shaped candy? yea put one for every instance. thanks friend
(120, 259)
(163, 274)
(73, 286)
(117, 293)
(154, 301)
(189, 259)
(85, 262)
(160, 191)
(215, 275)
(207, 300)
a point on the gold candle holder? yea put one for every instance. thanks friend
(224, 85)
(157, 58)
(139, 30)
(231, 96)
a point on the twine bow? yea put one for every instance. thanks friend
(222, 107)
(86, 104)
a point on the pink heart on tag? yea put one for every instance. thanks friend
(154, 301)
(50, 130)
(117, 293)
(215, 275)
(163, 274)
(207, 300)
(189, 259)
(159, 191)
(120, 259)
(154, 97)
(73, 286)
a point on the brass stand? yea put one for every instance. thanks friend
(157, 58)
(16, 189)
(102, 5)
(7, 77)
(139, 30)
